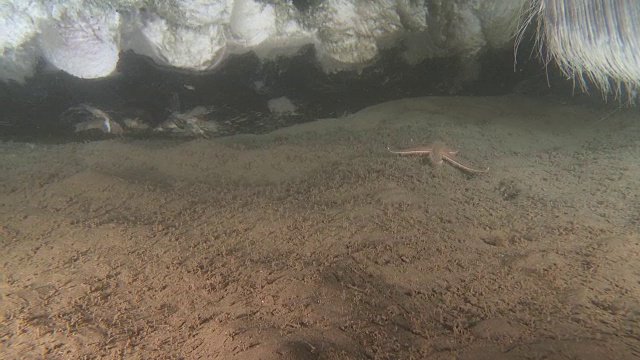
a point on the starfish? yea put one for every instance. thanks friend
(439, 152)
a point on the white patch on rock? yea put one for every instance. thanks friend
(281, 106)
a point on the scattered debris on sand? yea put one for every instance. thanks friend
(95, 119)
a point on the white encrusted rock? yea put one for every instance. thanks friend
(193, 13)
(182, 47)
(352, 32)
(252, 22)
(17, 24)
(84, 42)
(19, 63)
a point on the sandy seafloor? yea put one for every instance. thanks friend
(315, 242)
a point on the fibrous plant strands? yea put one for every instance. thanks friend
(592, 41)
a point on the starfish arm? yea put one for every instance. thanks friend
(463, 165)
(418, 150)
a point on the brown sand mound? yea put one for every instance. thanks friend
(314, 242)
